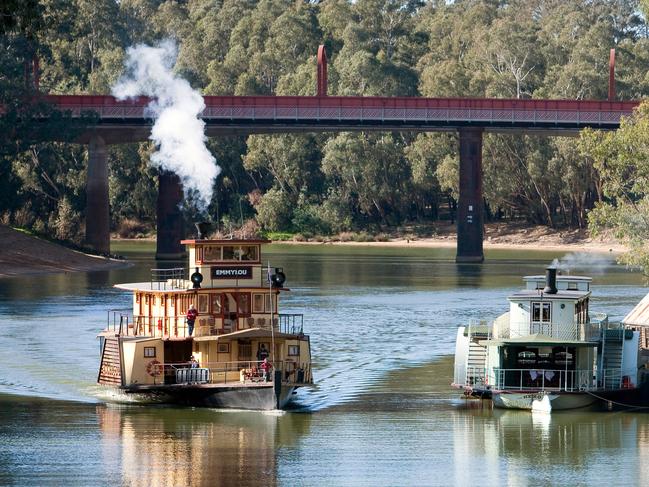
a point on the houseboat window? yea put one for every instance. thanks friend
(243, 304)
(581, 311)
(258, 303)
(223, 348)
(228, 253)
(203, 303)
(249, 252)
(211, 253)
(293, 350)
(172, 301)
(245, 350)
(146, 299)
(137, 297)
(149, 352)
(217, 309)
(541, 312)
(564, 359)
(526, 357)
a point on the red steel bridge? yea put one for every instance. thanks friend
(130, 121)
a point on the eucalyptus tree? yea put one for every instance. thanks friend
(622, 159)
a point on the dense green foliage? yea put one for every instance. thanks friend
(322, 183)
(622, 159)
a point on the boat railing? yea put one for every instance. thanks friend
(118, 321)
(560, 379)
(469, 376)
(588, 332)
(235, 372)
(178, 277)
(122, 322)
(291, 323)
(171, 278)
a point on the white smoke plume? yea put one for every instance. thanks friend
(178, 131)
(593, 263)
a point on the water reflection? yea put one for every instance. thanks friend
(520, 448)
(158, 446)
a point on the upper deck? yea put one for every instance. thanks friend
(215, 263)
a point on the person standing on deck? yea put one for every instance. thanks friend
(192, 313)
(262, 353)
(266, 367)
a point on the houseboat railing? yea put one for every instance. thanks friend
(118, 320)
(236, 372)
(468, 376)
(124, 323)
(177, 277)
(291, 323)
(561, 380)
(590, 332)
(545, 379)
(172, 278)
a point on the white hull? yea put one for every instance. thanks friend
(536, 400)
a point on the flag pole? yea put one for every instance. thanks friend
(272, 324)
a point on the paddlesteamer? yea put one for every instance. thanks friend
(152, 350)
(548, 351)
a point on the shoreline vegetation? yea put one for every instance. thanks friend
(23, 254)
(497, 236)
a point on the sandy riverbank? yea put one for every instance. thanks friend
(497, 236)
(22, 254)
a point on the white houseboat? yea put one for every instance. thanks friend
(548, 351)
(152, 350)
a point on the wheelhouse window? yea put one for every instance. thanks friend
(293, 350)
(211, 253)
(230, 253)
(149, 352)
(541, 312)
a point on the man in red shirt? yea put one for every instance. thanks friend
(192, 313)
(266, 367)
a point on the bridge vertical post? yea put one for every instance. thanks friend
(97, 210)
(170, 220)
(470, 204)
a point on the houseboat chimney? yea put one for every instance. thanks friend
(202, 228)
(550, 281)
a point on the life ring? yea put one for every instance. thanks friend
(154, 368)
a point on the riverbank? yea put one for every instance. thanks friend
(22, 254)
(497, 236)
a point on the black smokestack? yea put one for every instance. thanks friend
(550, 281)
(203, 228)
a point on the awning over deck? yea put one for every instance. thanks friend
(538, 340)
(247, 333)
(639, 316)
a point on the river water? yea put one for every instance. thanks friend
(382, 323)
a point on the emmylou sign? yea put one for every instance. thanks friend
(232, 272)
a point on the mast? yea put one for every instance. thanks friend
(272, 324)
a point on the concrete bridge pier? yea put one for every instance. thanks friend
(170, 228)
(470, 204)
(97, 211)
